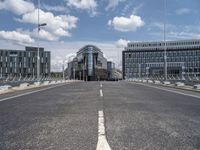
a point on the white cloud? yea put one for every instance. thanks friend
(159, 25)
(124, 24)
(121, 43)
(69, 57)
(137, 8)
(113, 3)
(130, 8)
(183, 35)
(89, 5)
(44, 35)
(175, 32)
(18, 7)
(57, 62)
(16, 37)
(183, 11)
(54, 8)
(57, 26)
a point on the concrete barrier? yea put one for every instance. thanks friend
(63, 81)
(157, 82)
(197, 86)
(5, 87)
(24, 85)
(46, 83)
(179, 84)
(166, 83)
(150, 81)
(53, 82)
(144, 81)
(58, 81)
(38, 83)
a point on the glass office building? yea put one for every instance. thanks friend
(20, 63)
(146, 59)
(89, 64)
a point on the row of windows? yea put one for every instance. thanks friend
(23, 54)
(161, 54)
(20, 69)
(135, 70)
(20, 59)
(131, 75)
(178, 48)
(162, 44)
(189, 64)
(158, 59)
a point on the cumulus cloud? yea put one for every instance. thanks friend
(124, 24)
(121, 43)
(89, 5)
(16, 37)
(18, 7)
(54, 8)
(57, 26)
(113, 3)
(69, 57)
(183, 11)
(43, 35)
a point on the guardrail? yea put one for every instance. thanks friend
(176, 84)
(26, 85)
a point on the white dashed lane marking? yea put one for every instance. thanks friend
(101, 93)
(102, 141)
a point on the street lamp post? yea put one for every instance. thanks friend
(63, 70)
(74, 74)
(165, 45)
(38, 49)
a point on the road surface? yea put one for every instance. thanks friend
(87, 115)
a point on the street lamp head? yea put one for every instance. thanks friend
(40, 25)
(43, 24)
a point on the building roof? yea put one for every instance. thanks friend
(180, 44)
(85, 49)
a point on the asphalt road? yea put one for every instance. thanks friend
(66, 118)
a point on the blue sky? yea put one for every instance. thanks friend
(109, 24)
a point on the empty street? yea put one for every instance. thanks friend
(100, 115)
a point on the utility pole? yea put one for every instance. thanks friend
(74, 74)
(83, 73)
(80, 75)
(38, 48)
(38, 51)
(63, 70)
(165, 45)
(139, 71)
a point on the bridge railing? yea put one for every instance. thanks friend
(189, 81)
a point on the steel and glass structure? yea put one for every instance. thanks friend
(89, 64)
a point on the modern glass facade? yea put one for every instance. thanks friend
(146, 59)
(89, 64)
(90, 61)
(18, 63)
(111, 69)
